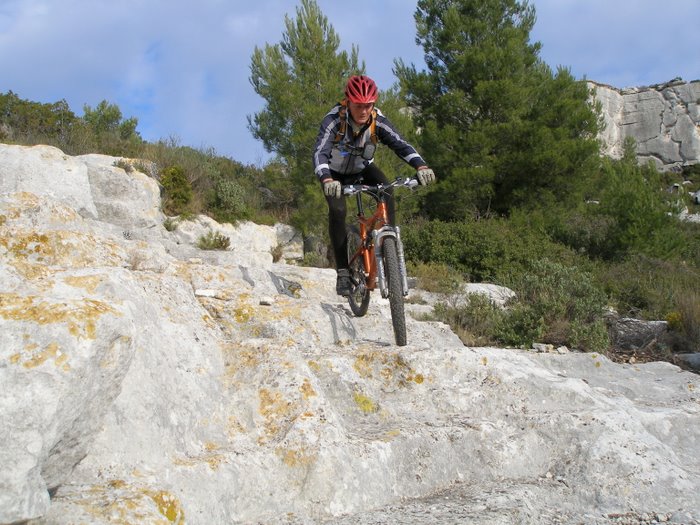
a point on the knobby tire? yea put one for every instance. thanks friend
(359, 297)
(394, 283)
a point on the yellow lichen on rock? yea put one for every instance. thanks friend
(80, 317)
(169, 506)
(22, 203)
(86, 282)
(391, 435)
(364, 403)
(211, 457)
(296, 457)
(306, 389)
(31, 271)
(391, 367)
(240, 357)
(28, 245)
(62, 248)
(51, 351)
(234, 427)
(276, 412)
(122, 503)
(243, 313)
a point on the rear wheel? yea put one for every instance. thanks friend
(395, 286)
(359, 296)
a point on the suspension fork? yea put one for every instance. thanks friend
(402, 261)
(378, 238)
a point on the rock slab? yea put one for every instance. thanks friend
(147, 381)
(664, 121)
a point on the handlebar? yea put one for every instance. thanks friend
(352, 189)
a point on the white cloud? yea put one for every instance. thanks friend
(182, 67)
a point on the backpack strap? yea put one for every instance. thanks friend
(373, 127)
(343, 114)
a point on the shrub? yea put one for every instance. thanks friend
(277, 252)
(170, 224)
(231, 201)
(561, 304)
(435, 277)
(522, 326)
(637, 212)
(686, 323)
(123, 164)
(473, 322)
(144, 167)
(178, 190)
(489, 250)
(648, 287)
(213, 241)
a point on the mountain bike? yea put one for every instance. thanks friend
(375, 254)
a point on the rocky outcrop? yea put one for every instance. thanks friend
(664, 121)
(147, 381)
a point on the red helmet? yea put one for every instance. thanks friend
(361, 89)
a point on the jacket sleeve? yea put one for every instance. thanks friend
(324, 143)
(389, 135)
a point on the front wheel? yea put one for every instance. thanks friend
(395, 286)
(359, 296)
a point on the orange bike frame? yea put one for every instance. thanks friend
(366, 249)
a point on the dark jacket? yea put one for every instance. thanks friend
(344, 157)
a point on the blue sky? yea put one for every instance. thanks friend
(182, 67)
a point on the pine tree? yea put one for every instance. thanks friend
(500, 129)
(300, 79)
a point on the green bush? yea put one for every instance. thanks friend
(178, 190)
(630, 211)
(123, 164)
(435, 277)
(213, 241)
(170, 224)
(569, 302)
(686, 327)
(489, 250)
(311, 218)
(474, 322)
(522, 326)
(556, 304)
(650, 288)
(231, 201)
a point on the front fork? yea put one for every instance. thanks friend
(378, 238)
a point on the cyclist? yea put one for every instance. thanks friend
(344, 152)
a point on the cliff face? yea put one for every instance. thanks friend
(146, 381)
(664, 121)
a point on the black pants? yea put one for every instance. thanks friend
(337, 211)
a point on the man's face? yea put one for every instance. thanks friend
(360, 112)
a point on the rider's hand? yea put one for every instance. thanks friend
(331, 188)
(425, 175)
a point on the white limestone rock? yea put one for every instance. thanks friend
(219, 387)
(664, 120)
(130, 200)
(45, 170)
(290, 241)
